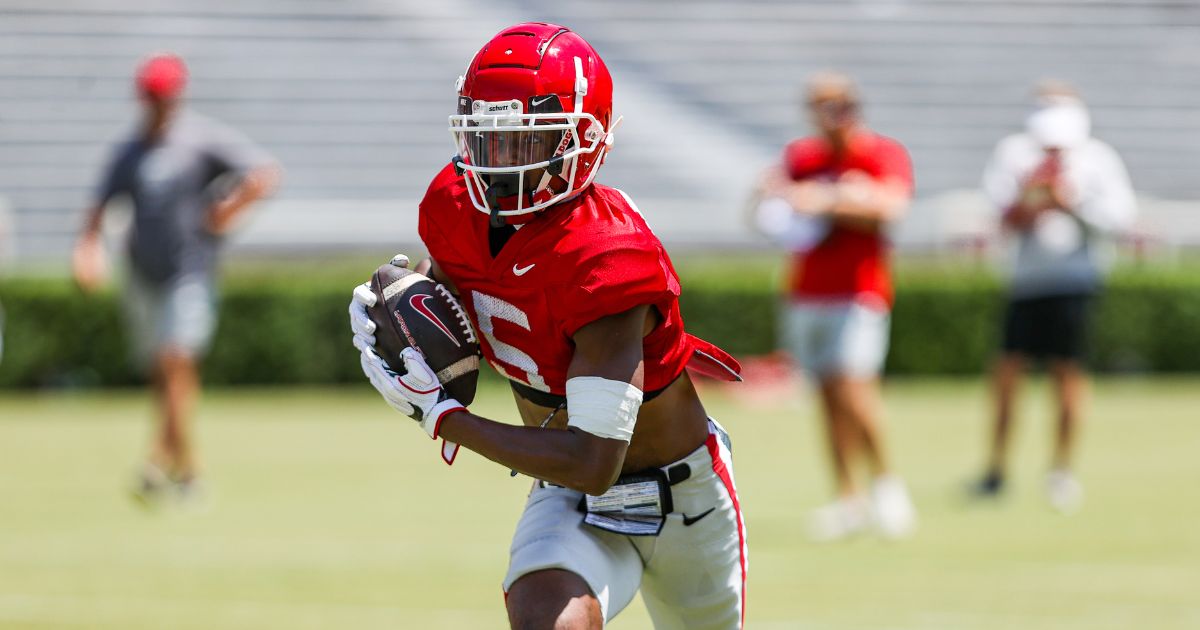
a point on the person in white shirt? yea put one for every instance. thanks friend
(1063, 195)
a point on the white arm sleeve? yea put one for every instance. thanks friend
(1109, 204)
(603, 407)
(1003, 174)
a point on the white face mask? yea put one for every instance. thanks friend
(532, 159)
(1061, 124)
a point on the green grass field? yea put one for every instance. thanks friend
(329, 511)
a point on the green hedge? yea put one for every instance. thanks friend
(283, 329)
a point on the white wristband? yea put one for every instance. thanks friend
(603, 407)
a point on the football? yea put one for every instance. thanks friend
(412, 310)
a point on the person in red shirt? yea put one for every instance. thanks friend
(829, 202)
(575, 302)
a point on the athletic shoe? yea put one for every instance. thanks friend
(991, 486)
(149, 486)
(1064, 491)
(891, 507)
(839, 520)
(192, 493)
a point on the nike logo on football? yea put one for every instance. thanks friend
(520, 271)
(418, 304)
(535, 102)
(688, 521)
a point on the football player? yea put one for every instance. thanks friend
(576, 304)
(830, 202)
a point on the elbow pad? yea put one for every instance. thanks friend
(603, 407)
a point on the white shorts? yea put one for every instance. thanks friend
(829, 338)
(180, 315)
(692, 575)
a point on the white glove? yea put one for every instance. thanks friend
(416, 393)
(360, 322)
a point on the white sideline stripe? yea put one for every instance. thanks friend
(401, 285)
(458, 368)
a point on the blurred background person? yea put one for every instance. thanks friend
(189, 179)
(1062, 194)
(829, 202)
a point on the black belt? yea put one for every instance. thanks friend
(678, 473)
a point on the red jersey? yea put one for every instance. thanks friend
(572, 264)
(848, 263)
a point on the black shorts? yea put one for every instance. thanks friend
(1048, 327)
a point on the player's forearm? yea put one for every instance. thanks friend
(566, 457)
(91, 222)
(87, 257)
(869, 205)
(867, 219)
(861, 222)
(257, 184)
(1018, 217)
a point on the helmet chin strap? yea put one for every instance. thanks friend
(507, 187)
(499, 186)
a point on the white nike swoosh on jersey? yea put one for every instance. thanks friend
(535, 102)
(520, 271)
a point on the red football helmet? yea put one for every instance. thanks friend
(532, 126)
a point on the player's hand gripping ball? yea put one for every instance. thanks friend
(401, 309)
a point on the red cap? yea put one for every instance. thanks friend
(162, 76)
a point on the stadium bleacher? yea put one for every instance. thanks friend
(352, 97)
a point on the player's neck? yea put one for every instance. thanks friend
(154, 131)
(840, 140)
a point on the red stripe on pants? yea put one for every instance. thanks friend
(714, 451)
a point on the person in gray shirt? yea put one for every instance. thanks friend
(189, 179)
(1063, 195)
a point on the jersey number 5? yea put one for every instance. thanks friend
(488, 309)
